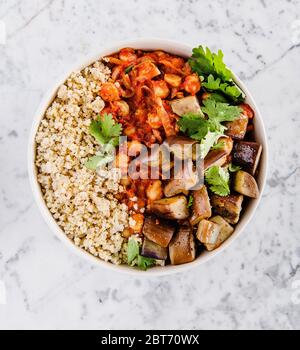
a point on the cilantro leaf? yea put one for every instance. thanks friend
(197, 127)
(220, 67)
(216, 75)
(96, 161)
(191, 201)
(132, 250)
(208, 141)
(104, 156)
(219, 112)
(134, 258)
(218, 180)
(209, 130)
(218, 97)
(193, 125)
(105, 130)
(204, 62)
(95, 130)
(229, 89)
(144, 263)
(233, 168)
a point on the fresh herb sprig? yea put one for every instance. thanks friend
(209, 130)
(218, 180)
(216, 75)
(106, 132)
(134, 257)
(196, 127)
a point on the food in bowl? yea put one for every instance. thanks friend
(146, 158)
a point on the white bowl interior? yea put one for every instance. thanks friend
(180, 50)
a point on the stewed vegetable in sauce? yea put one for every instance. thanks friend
(193, 109)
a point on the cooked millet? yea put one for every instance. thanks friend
(82, 201)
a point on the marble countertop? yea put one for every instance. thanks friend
(254, 284)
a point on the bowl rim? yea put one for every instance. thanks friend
(147, 44)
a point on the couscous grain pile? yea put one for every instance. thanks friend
(81, 201)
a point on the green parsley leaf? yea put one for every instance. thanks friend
(132, 250)
(191, 201)
(233, 168)
(204, 62)
(106, 130)
(144, 263)
(218, 180)
(229, 89)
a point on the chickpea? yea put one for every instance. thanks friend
(123, 108)
(154, 121)
(192, 84)
(161, 88)
(127, 55)
(125, 181)
(173, 79)
(109, 92)
(130, 130)
(137, 226)
(127, 233)
(154, 190)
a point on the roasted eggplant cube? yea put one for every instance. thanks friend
(184, 180)
(201, 208)
(174, 187)
(174, 208)
(226, 144)
(158, 230)
(189, 104)
(215, 157)
(225, 232)
(181, 146)
(208, 232)
(229, 207)
(245, 184)
(182, 246)
(153, 250)
(247, 155)
(237, 129)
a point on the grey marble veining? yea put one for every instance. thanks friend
(251, 284)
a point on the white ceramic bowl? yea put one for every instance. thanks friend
(177, 49)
